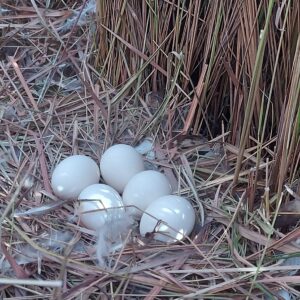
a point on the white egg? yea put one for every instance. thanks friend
(284, 294)
(107, 206)
(72, 175)
(145, 187)
(169, 218)
(119, 164)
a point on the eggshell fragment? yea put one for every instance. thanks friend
(72, 175)
(168, 219)
(107, 206)
(143, 188)
(119, 164)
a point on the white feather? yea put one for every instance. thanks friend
(111, 238)
(89, 8)
(54, 241)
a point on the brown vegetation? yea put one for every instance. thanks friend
(215, 84)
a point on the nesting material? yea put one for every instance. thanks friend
(65, 90)
(80, 17)
(52, 240)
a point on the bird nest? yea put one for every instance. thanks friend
(55, 103)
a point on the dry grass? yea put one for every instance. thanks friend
(220, 99)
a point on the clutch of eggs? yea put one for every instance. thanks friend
(145, 194)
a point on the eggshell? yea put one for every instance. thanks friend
(72, 175)
(143, 188)
(107, 202)
(172, 216)
(119, 164)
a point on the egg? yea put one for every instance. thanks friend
(284, 294)
(143, 188)
(119, 164)
(169, 218)
(107, 202)
(72, 175)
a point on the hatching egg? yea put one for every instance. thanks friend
(106, 205)
(168, 219)
(72, 175)
(119, 164)
(143, 188)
